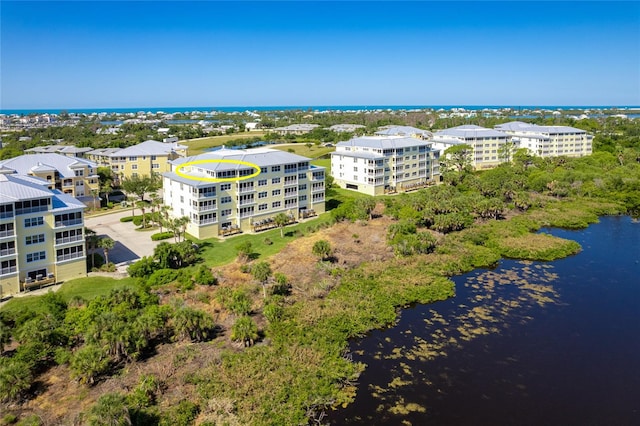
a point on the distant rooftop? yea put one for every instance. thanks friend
(382, 142)
(66, 166)
(469, 131)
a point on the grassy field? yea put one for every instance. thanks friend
(198, 146)
(313, 152)
(87, 288)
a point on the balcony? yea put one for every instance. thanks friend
(246, 202)
(6, 215)
(70, 256)
(34, 209)
(207, 208)
(207, 221)
(7, 234)
(65, 240)
(70, 222)
(9, 270)
(7, 252)
(245, 190)
(206, 194)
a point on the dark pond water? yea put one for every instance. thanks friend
(527, 343)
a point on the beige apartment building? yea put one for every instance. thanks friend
(144, 159)
(247, 197)
(41, 234)
(486, 143)
(70, 175)
(376, 165)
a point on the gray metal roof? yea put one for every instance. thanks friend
(261, 157)
(470, 131)
(25, 164)
(149, 147)
(519, 126)
(15, 187)
(104, 151)
(402, 131)
(382, 142)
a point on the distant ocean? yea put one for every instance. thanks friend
(302, 108)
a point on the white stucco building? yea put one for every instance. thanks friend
(375, 165)
(549, 141)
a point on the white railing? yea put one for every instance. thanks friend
(65, 240)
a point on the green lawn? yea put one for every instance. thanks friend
(198, 146)
(300, 148)
(88, 288)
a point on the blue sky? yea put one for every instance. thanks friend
(206, 53)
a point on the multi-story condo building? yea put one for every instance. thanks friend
(375, 165)
(144, 159)
(68, 150)
(407, 131)
(549, 141)
(295, 129)
(41, 234)
(70, 175)
(242, 190)
(486, 143)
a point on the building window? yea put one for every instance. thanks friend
(134, 167)
(155, 165)
(275, 169)
(262, 182)
(225, 212)
(153, 158)
(262, 194)
(225, 187)
(33, 221)
(302, 176)
(275, 180)
(275, 192)
(276, 204)
(34, 257)
(302, 187)
(8, 267)
(262, 207)
(34, 239)
(225, 200)
(133, 158)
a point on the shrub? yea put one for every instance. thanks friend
(162, 277)
(15, 378)
(204, 276)
(267, 242)
(244, 330)
(236, 301)
(127, 219)
(184, 413)
(143, 267)
(161, 236)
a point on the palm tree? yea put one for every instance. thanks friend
(110, 410)
(244, 330)
(322, 249)
(142, 205)
(182, 223)
(261, 272)
(281, 221)
(91, 240)
(106, 244)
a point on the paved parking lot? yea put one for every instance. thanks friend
(130, 245)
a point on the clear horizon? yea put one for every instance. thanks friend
(112, 55)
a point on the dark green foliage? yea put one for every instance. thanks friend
(15, 379)
(204, 276)
(161, 236)
(193, 324)
(321, 249)
(162, 277)
(244, 330)
(176, 255)
(143, 267)
(110, 410)
(245, 249)
(183, 414)
(88, 363)
(129, 219)
(236, 301)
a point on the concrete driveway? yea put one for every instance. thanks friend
(131, 244)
